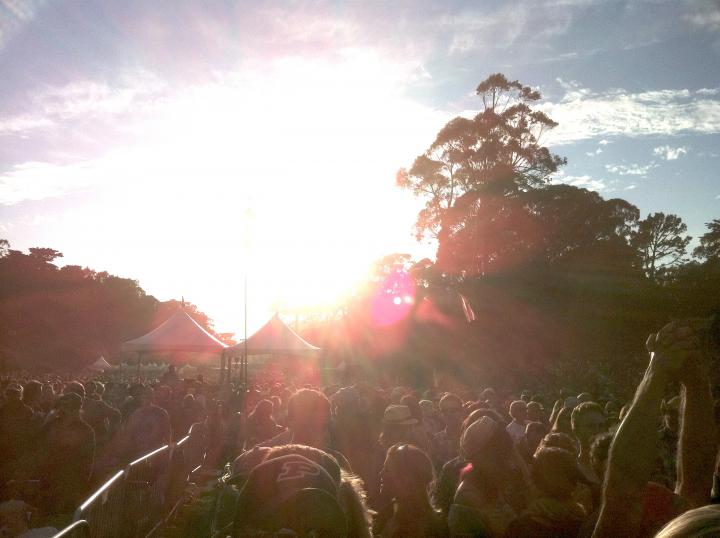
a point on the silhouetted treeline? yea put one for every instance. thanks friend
(64, 318)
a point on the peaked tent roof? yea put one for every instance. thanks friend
(100, 365)
(179, 333)
(275, 337)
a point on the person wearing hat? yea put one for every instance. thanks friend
(289, 495)
(481, 506)
(67, 451)
(398, 426)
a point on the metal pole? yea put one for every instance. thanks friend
(245, 345)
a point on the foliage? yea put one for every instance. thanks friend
(710, 241)
(497, 152)
(55, 318)
(660, 243)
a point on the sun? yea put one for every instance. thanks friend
(282, 174)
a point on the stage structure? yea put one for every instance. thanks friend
(179, 333)
(273, 338)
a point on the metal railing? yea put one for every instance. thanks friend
(78, 529)
(103, 509)
(136, 501)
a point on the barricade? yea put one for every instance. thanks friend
(146, 481)
(136, 501)
(78, 529)
(178, 476)
(196, 447)
(103, 510)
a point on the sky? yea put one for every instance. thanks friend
(194, 145)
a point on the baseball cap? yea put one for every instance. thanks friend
(290, 492)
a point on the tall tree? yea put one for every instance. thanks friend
(497, 152)
(710, 241)
(660, 243)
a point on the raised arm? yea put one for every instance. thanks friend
(634, 449)
(698, 437)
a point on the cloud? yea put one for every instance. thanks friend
(603, 142)
(135, 93)
(630, 187)
(669, 153)
(583, 114)
(630, 170)
(584, 181)
(704, 14)
(40, 180)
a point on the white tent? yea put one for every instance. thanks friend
(180, 333)
(100, 365)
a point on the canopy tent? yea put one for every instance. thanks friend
(179, 333)
(275, 337)
(99, 365)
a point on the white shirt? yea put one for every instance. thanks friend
(516, 431)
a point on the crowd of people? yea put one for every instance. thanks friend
(361, 460)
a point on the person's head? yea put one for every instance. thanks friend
(308, 413)
(558, 440)
(477, 414)
(75, 387)
(32, 392)
(13, 392)
(289, 493)
(671, 414)
(407, 473)
(555, 472)
(584, 397)
(698, 523)
(413, 404)
(587, 421)
(146, 396)
(428, 408)
(518, 411)
(69, 405)
(562, 422)
(534, 433)
(397, 425)
(487, 445)
(535, 412)
(14, 518)
(599, 452)
(489, 397)
(263, 410)
(451, 410)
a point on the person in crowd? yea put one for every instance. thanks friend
(261, 424)
(563, 422)
(587, 421)
(406, 477)
(32, 397)
(147, 428)
(103, 418)
(675, 356)
(534, 433)
(536, 412)
(15, 521)
(16, 432)
(553, 513)
(353, 431)
(516, 428)
(481, 506)
(446, 443)
(65, 456)
(431, 417)
(292, 495)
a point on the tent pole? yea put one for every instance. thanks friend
(138, 365)
(222, 367)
